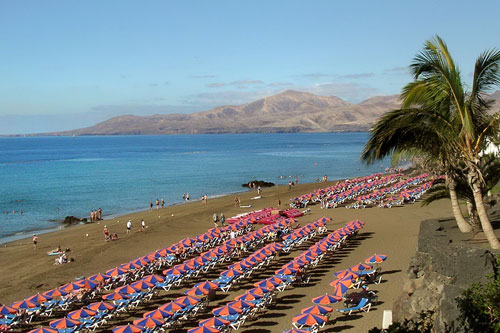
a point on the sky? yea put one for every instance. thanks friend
(70, 64)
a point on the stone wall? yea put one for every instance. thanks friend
(439, 272)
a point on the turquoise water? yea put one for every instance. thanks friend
(52, 177)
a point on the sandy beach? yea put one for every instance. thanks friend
(394, 231)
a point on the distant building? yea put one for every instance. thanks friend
(491, 148)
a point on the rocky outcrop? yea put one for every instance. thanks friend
(258, 183)
(74, 220)
(440, 271)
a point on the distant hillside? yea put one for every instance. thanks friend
(290, 111)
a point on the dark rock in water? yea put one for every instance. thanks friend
(74, 220)
(258, 183)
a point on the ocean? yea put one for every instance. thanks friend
(49, 178)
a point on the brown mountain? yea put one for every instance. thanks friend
(290, 111)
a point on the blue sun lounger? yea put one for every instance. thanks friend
(363, 305)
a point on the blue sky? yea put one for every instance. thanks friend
(68, 64)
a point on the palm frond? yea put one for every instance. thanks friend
(435, 193)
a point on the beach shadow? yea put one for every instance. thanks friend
(282, 307)
(257, 330)
(390, 272)
(265, 323)
(338, 328)
(291, 301)
(272, 315)
(293, 296)
(349, 317)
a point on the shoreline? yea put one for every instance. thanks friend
(22, 235)
(10, 239)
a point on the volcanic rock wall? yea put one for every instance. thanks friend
(439, 272)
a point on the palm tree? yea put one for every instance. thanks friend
(460, 119)
(408, 133)
(490, 167)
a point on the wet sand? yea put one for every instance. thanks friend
(393, 231)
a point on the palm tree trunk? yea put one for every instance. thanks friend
(474, 180)
(473, 217)
(455, 206)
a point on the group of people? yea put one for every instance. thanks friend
(62, 259)
(185, 196)
(216, 219)
(62, 255)
(158, 203)
(108, 236)
(96, 215)
(13, 212)
(129, 226)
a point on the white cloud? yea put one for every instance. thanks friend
(350, 91)
(216, 85)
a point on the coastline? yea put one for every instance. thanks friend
(24, 235)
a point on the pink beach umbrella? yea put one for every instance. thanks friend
(158, 314)
(44, 330)
(326, 299)
(376, 259)
(149, 322)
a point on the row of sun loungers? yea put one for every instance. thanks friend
(313, 318)
(22, 313)
(376, 196)
(261, 256)
(254, 301)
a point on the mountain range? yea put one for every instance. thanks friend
(289, 111)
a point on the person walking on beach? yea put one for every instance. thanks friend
(216, 219)
(236, 201)
(35, 241)
(129, 226)
(259, 190)
(157, 204)
(106, 234)
(222, 219)
(150, 206)
(162, 202)
(143, 225)
(279, 203)
(99, 214)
